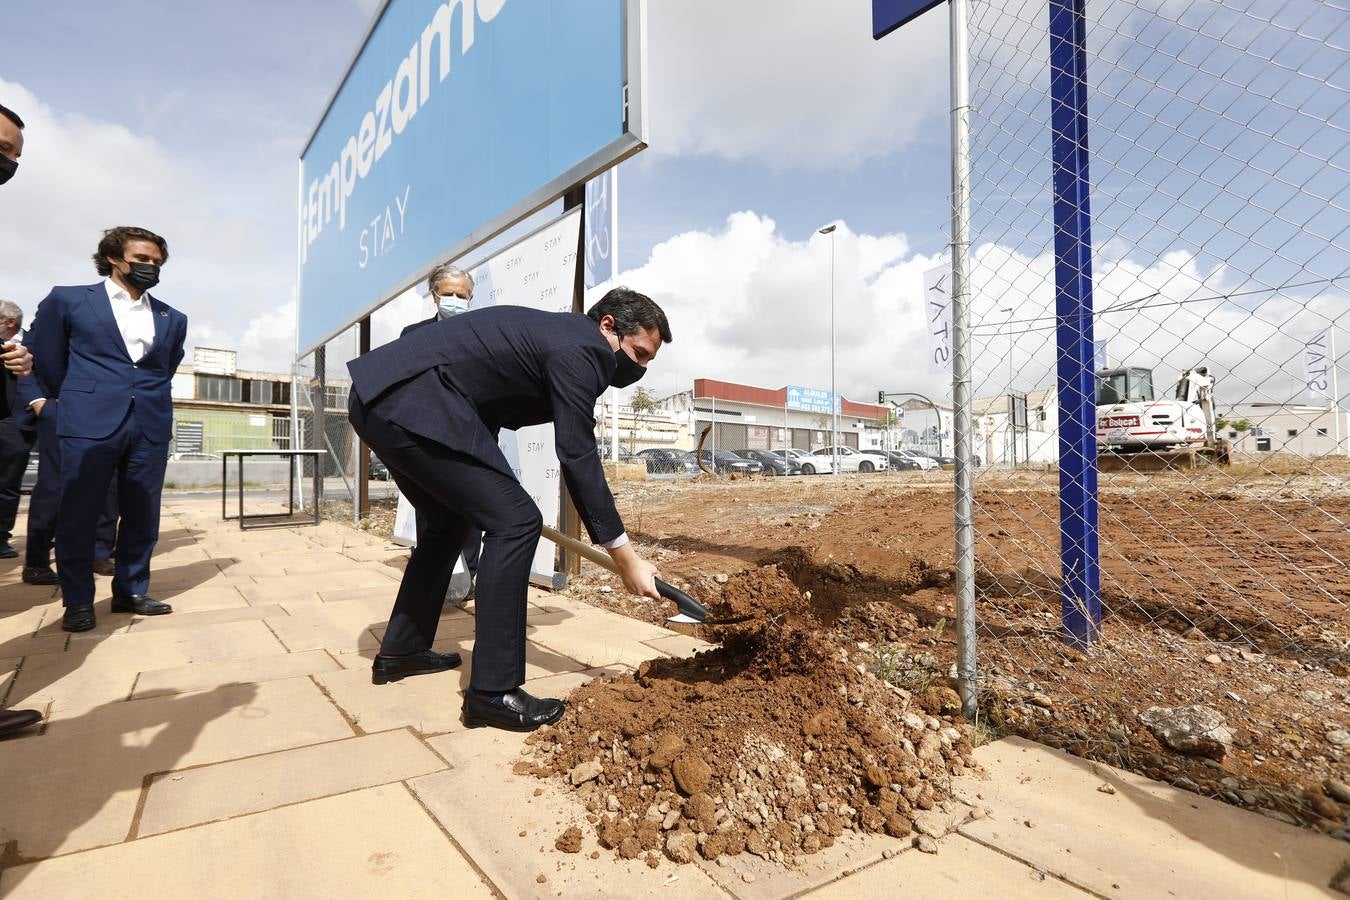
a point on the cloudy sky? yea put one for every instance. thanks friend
(768, 120)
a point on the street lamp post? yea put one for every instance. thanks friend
(834, 401)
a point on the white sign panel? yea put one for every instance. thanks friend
(937, 298)
(1317, 365)
(537, 271)
(209, 361)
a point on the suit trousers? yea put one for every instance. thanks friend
(454, 493)
(88, 467)
(45, 501)
(473, 545)
(13, 461)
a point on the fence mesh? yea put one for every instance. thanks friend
(1220, 181)
(324, 426)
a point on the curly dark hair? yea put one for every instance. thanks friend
(631, 311)
(115, 241)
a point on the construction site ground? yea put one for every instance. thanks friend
(238, 748)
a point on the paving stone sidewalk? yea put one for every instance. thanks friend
(238, 749)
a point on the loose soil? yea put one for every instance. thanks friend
(775, 743)
(1227, 589)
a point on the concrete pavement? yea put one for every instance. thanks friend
(237, 748)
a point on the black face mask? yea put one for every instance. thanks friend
(143, 276)
(7, 168)
(626, 370)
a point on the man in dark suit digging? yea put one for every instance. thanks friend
(430, 405)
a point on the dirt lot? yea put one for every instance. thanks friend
(1223, 589)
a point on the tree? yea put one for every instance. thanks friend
(643, 404)
(1241, 426)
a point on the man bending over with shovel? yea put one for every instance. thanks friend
(430, 405)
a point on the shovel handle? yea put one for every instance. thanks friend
(685, 603)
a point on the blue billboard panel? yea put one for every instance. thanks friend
(599, 239)
(456, 120)
(888, 15)
(812, 400)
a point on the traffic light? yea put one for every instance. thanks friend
(881, 398)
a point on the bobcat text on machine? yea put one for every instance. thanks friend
(1130, 420)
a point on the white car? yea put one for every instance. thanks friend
(811, 465)
(851, 460)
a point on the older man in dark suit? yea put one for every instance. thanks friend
(110, 349)
(431, 404)
(451, 290)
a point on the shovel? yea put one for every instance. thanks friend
(691, 611)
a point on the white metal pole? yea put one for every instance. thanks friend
(961, 363)
(834, 403)
(1336, 392)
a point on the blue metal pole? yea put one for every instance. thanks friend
(1080, 563)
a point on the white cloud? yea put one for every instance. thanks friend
(790, 82)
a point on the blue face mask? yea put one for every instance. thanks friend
(451, 306)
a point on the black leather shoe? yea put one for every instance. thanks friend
(141, 605)
(105, 567)
(515, 711)
(34, 575)
(12, 720)
(78, 618)
(7, 551)
(395, 668)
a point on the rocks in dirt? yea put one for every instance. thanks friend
(1337, 790)
(1214, 659)
(585, 771)
(1193, 730)
(925, 844)
(569, 841)
(1339, 739)
(692, 774)
(668, 747)
(772, 744)
(1321, 804)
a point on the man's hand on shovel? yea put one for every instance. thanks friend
(639, 576)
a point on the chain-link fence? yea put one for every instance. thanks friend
(324, 425)
(1218, 159)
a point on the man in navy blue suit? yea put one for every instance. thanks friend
(430, 405)
(111, 349)
(15, 443)
(451, 290)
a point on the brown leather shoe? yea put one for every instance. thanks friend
(12, 720)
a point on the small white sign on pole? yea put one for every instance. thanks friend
(937, 297)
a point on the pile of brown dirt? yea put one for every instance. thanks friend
(772, 744)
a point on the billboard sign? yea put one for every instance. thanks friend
(811, 400)
(888, 15)
(455, 121)
(599, 234)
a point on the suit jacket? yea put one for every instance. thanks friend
(461, 380)
(27, 388)
(416, 325)
(78, 350)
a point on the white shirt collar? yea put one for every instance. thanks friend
(120, 294)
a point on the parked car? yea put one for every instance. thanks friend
(724, 462)
(378, 470)
(924, 462)
(811, 465)
(663, 461)
(624, 455)
(773, 463)
(851, 460)
(881, 455)
(900, 462)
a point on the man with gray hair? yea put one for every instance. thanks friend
(14, 445)
(451, 292)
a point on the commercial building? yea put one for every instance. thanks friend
(218, 407)
(761, 418)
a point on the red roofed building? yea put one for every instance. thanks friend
(761, 418)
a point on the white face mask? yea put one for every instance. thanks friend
(451, 306)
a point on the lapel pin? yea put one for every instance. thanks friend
(164, 313)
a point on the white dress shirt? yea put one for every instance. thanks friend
(134, 318)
